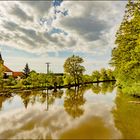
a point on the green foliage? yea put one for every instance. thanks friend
(96, 75)
(10, 81)
(51, 79)
(33, 79)
(20, 83)
(42, 80)
(110, 74)
(68, 80)
(87, 78)
(125, 57)
(73, 67)
(59, 80)
(103, 74)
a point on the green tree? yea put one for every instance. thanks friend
(59, 80)
(11, 81)
(96, 75)
(87, 78)
(26, 70)
(125, 57)
(42, 79)
(68, 80)
(73, 67)
(110, 74)
(104, 75)
(51, 79)
(33, 79)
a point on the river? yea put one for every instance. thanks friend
(97, 111)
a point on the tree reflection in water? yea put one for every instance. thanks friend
(127, 116)
(42, 97)
(3, 98)
(73, 101)
(103, 88)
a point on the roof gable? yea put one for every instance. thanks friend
(6, 69)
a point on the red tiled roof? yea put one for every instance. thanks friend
(16, 74)
(7, 69)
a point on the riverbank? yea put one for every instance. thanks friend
(25, 88)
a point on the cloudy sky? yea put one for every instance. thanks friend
(44, 31)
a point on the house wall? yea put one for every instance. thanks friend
(8, 73)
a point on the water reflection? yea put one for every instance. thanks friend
(42, 97)
(3, 98)
(103, 88)
(127, 116)
(79, 113)
(73, 102)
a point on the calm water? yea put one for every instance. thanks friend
(94, 111)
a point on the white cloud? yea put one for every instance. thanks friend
(89, 25)
(92, 25)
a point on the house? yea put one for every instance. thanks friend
(8, 72)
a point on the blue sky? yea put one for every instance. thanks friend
(38, 32)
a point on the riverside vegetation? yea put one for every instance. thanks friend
(126, 56)
(74, 75)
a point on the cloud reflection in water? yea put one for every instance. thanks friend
(36, 123)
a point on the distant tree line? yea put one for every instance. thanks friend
(73, 75)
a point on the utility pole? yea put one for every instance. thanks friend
(48, 65)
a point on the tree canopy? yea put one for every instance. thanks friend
(73, 67)
(125, 57)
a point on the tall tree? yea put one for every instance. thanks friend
(73, 67)
(125, 57)
(26, 70)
